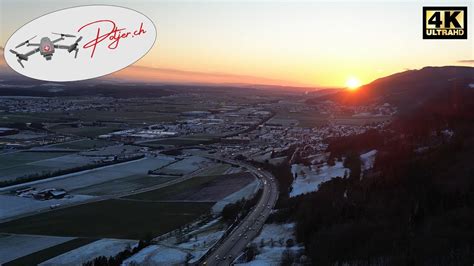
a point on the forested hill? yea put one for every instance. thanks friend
(407, 90)
(415, 207)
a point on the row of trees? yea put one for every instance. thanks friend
(240, 208)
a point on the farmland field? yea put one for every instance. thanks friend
(210, 188)
(107, 174)
(83, 144)
(359, 121)
(186, 166)
(34, 117)
(121, 185)
(51, 252)
(20, 163)
(17, 246)
(86, 131)
(305, 119)
(219, 169)
(133, 116)
(110, 219)
(21, 158)
(180, 141)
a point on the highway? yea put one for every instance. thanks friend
(233, 244)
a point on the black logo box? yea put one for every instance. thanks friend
(445, 8)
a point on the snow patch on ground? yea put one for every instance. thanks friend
(277, 160)
(157, 255)
(186, 165)
(233, 170)
(309, 177)
(368, 159)
(271, 254)
(198, 247)
(245, 192)
(11, 205)
(103, 247)
(205, 226)
(276, 232)
(197, 242)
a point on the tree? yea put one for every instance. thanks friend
(331, 161)
(250, 252)
(287, 257)
(289, 243)
(189, 256)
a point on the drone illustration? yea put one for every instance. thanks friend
(46, 47)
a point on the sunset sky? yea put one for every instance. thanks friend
(317, 43)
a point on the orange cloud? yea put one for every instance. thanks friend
(149, 74)
(468, 61)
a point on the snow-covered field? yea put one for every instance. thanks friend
(245, 192)
(309, 177)
(157, 255)
(274, 239)
(187, 165)
(233, 170)
(58, 162)
(113, 150)
(103, 247)
(51, 164)
(12, 205)
(17, 246)
(368, 159)
(96, 176)
(66, 161)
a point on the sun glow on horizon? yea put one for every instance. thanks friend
(352, 83)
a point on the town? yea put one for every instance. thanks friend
(69, 153)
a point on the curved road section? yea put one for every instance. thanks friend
(233, 245)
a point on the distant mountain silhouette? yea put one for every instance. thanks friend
(408, 89)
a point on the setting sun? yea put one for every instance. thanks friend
(352, 83)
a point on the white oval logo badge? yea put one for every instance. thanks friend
(80, 43)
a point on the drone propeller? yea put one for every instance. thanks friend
(21, 64)
(25, 42)
(19, 56)
(74, 45)
(64, 34)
